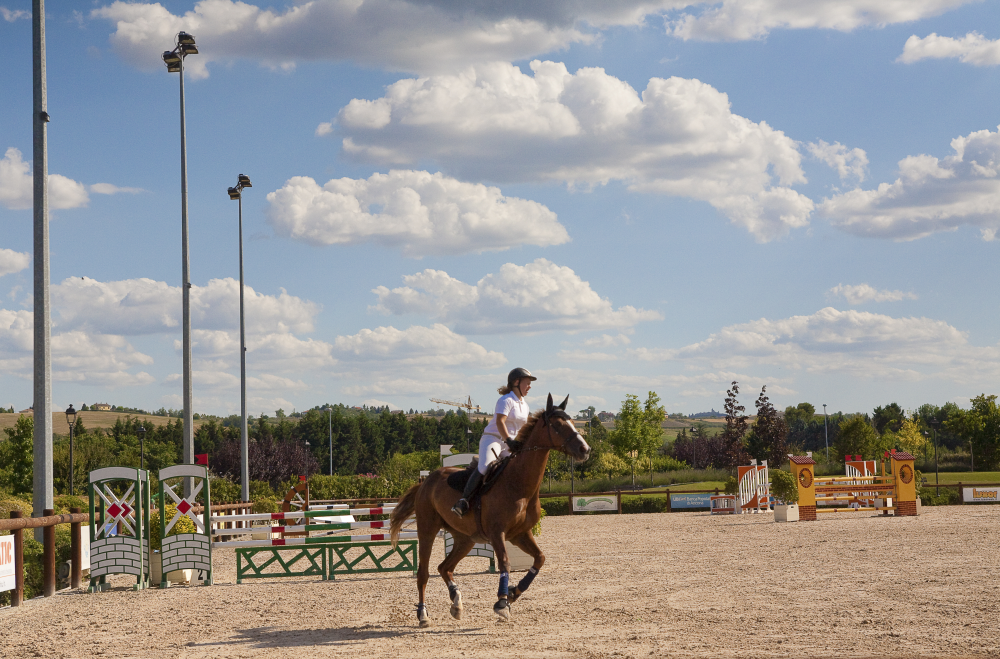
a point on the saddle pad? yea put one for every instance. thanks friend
(458, 480)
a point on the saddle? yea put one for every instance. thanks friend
(457, 480)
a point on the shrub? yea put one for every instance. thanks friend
(948, 497)
(634, 505)
(263, 490)
(732, 485)
(556, 506)
(783, 486)
(360, 486)
(265, 506)
(224, 490)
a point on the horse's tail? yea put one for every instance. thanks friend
(402, 512)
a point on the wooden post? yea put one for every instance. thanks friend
(570, 503)
(619, 493)
(18, 595)
(49, 556)
(670, 507)
(76, 551)
(961, 492)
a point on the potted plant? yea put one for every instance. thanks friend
(786, 490)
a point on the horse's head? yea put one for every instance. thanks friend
(559, 428)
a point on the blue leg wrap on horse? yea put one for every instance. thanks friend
(527, 579)
(504, 580)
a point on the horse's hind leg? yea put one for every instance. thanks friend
(526, 543)
(463, 545)
(426, 533)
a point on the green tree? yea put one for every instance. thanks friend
(889, 418)
(17, 456)
(768, 439)
(733, 437)
(980, 426)
(798, 417)
(857, 437)
(638, 428)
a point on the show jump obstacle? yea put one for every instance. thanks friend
(119, 526)
(862, 486)
(753, 492)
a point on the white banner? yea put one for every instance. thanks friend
(587, 504)
(981, 494)
(6, 562)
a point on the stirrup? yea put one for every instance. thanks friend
(460, 508)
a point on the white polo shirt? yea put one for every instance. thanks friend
(516, 410)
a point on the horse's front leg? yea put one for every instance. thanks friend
(502, 607)
(463, 545)
(526, 543)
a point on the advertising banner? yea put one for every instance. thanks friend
(599, 503)
(6, 562)
(682, 501)
(981, 494)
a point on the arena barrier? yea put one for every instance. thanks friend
(900, 486)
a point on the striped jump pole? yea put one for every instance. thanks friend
(333, 526)
(303, 514)
(326, 540)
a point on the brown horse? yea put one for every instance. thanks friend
(507, 511)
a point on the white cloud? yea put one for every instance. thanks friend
(11, 261)
(678, 137)
(854, 343)
(400, 35)
(973, 48)
(17, 189)
(864, 293)
(419, 212)
(735, 20)
(607, 341)
(536, 297)
(930, 194)
(436, 345)
(146, 306)
(11, 15)
(77, 356)
(849, 163)
(108, 188)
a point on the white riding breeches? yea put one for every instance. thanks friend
(491, 449)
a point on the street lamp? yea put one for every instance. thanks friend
(236, 193)
(174, 59)
(71, 420)
(141, 431)
(826, 434)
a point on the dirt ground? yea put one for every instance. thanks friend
(660, 585)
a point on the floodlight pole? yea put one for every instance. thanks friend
(826, 433)
(329, 415)
(244, 432)
(42, 495)
(186, 299)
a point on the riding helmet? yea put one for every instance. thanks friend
(517, 374)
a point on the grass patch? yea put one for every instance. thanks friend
(954, 477)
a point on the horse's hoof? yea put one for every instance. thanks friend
(422, 616)
(502, 609)
(425, 623)
(456, 607)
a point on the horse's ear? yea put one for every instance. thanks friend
(562, 405)
(548, 406)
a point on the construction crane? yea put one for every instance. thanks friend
(467, 405)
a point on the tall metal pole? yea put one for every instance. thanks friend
(826, 433)
(244, 435)
(72, 474)
(937, 474)
(188, 442)
(42, 498)
(329, 415)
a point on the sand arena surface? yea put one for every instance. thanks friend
(661, 585)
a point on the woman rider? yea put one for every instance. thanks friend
(511, 414)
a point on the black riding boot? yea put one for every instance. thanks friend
(462, 506)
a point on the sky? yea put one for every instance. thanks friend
(647, 195)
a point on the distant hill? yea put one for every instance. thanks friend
(90, 420)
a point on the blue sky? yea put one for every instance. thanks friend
(656, 196)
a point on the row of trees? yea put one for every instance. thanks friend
(278, 449)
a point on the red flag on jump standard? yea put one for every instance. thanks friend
(201, 459)
(302, 479)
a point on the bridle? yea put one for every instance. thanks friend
(547, 416)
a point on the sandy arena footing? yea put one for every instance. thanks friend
(659, 585)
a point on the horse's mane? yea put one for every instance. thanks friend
(528, 426)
